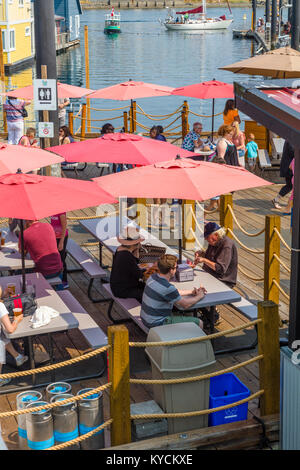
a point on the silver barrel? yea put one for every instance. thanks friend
(23, 399)
(39, 426)
(65, 421)
(57, 388)
(90, 411)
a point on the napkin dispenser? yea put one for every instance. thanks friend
(184, 273)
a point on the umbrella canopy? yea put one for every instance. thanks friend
(63, 91)
(131, 90)
(179, 179)
(33, 197)
(206, 90)
(279, 63)
(13, 157)
(120, 148)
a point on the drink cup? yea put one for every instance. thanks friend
(11, 289)
(17, 311)
(2, 241)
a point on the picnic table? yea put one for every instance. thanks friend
(45, 296)
(107, 229)
(10, 258)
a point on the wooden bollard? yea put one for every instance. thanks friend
(125, 120)
(226, 219)
(120, 389)
(142, 213)
(134, 116)
(71, 122)
(83, 121)
(269, 366)
(188, 224)
(271, 264)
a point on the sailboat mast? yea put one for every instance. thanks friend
(204, 7)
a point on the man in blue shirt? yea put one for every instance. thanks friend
(193, 139)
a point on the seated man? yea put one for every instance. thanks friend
(193, 139)
(221, 257)
(160, 296)
(40, 243)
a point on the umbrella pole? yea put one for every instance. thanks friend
(22, 255)
(212, 120)
(180, 235)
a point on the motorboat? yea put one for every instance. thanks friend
(112, 22)
(195, 19)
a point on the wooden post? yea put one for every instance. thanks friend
(142, 213)
(87, 75)
(71, 122)
(183, 123)
(2, 77)
(188, 224)
(271, 265)
(134, 116)
(226, 219)
(131, 119)
(125, 119)
(44, 75)
(120, 388)
(269, 366)
(83, 121)
(186, 116)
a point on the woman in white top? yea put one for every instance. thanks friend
(5, 344)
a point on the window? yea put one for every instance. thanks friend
(4, 40)
(71, 24)
(12, 40)
(21, 3)
(27, 31)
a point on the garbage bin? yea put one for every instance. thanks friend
(178, 361)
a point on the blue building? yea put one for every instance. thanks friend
(67, 14)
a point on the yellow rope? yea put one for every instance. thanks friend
(241, 228)
(170, 124)
(195, 340)
(99, 216)
(40, 370)
(198, 413)
(198, 378)
(104, 110)
(282, 239)
(206, 211)
(49, 406)
(282, 263)
(101, 120)
(280, 289)
(158, 115)
(81, 438)
(204, 115)
(250, 277)
(258, 252)
(80, 109)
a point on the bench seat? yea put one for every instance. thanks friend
(264, 159)
(248, 309)
(54, 281)
(130, 306)
(94, 335)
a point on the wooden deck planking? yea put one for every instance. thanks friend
(250, 207)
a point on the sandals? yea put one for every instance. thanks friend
(276, 205)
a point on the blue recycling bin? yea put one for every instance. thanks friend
(225, 389)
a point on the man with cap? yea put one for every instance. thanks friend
(221, 257)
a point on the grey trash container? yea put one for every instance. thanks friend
(90, 417)
(178, 361)
(39, 427)
(23, 399)
(65, 421)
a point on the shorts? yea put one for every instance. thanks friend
(3, 342)
(251, 161)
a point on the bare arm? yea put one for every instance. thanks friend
(9, 326)
(221, 148)
(187, 302)
(63, 221)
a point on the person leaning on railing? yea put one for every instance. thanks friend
(220, 259)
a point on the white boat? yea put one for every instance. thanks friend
(195, 19)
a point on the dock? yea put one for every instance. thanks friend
(256, 36)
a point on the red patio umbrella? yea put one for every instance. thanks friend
(179, 179)
(131, 90)
(33, 197)
(63, 91)
(120, 148)
(207, 90)
(13, 157)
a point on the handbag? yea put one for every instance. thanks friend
(25, 301)
(22, 111)
(150, 253)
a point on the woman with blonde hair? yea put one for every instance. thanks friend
(238, 139)
(225, 147)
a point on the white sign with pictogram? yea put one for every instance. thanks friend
(46, 130)
(44, 95)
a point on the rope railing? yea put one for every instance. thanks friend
(101, 216)
(59, 365)
(204, 115)
(206, 211)
(250, 250)
(158, 115)
(195, 340)
(282, 239)
(241, 228)
(197, 378)
(282, 263)
(82, 438)
(280, 289)
(259, 279)
(198, 413)
(107, 110)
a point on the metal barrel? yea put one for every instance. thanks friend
(65, 421)
(90, 412)
(57, 388)
(22, 400)
(39, 426)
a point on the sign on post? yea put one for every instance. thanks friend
(44, 95)
(46, 130)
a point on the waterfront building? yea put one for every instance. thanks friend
(68, 18)
(16, 23)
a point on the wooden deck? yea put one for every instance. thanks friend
(250, 208)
